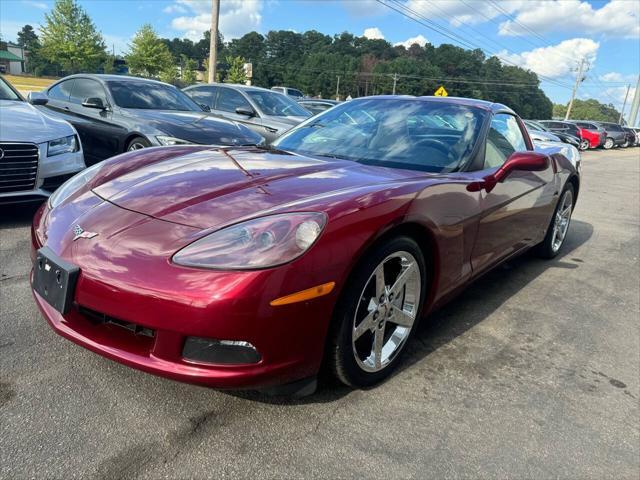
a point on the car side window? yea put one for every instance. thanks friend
(504, 138)
(229, 100)
(204, 96)
(61, 91)
(85, 88)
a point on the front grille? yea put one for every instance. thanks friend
(18, 167)
(101, 318)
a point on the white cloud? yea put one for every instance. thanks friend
(175, 8)
(373, 33)
(237, 17)
(618, 18)
(617, 94)
(38, 5)
(457, 12)
(618, 77)
(420, 40)
(556, 60)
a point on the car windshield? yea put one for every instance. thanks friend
(150, 96)
(6, 93)
(276, 104)
(535, 126)
(400, 133)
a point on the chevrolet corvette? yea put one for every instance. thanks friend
(256, 267)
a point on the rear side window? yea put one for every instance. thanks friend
(295, 93)
(504, 139)
(204, 96)
(84, 88)
(61, 91)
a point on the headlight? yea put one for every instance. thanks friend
(164, 140)
(73, 184)
(258, 243)
(62, 145)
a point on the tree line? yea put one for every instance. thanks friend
(318, 64)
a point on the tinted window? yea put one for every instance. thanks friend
(203, 96)
(84, 88)
(295, 93)
(150, 96)
(504, 138)
(396, 133)
(61, 91)
(275, 104)
(229, 100)
(6, 93)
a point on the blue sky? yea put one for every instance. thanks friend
(546, 36)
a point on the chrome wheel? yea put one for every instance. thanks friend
(561, 221)
(584, 144)
(608, 143)
(386, 311)
(136, 146)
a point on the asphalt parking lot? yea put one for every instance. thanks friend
(532, 373)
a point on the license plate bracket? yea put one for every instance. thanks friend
(55, 279)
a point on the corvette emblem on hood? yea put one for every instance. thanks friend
(78, 232)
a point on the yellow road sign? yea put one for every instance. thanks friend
(441, 92)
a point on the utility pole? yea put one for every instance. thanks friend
(624, 104)
(395, 80)
(338, 89)
(635, 104)
(579, 80)
(213, 45)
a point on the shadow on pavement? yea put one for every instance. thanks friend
(19, 215)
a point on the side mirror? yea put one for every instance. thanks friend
(523, 161)
(37, 98)
(94, 102)
(204, 107)
(250, 112)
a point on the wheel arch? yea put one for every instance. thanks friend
(575, 183)
(130, 137)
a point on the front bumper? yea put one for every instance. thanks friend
(121, 281)
(52, 172)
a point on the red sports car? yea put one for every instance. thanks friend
(254, 267)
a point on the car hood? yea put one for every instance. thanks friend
(208, 188)
(22, 122)
(544, 136)
(196, 127)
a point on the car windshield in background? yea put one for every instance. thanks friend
(150, 96)
(276, 104)
(398, 133)
(6, 93)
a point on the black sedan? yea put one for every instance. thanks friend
(113, 114)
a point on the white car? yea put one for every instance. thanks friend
(38, 153)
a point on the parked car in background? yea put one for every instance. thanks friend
(631, 140)
(636, 130)
(113, 114)
(317, 105)
(265, 266)
(264, 111)
(615, 135)
(538, 133)
(533, 125)
(593, 135)
(38, 153)
(567, 131)
(289, 92)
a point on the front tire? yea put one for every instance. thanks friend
(584, 145)
(137, 143)
(559, 226)
(377, 313)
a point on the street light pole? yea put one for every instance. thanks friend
(624, 104)
(579, 79)
(213, 44)
(395, 80)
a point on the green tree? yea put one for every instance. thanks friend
(149, 56)
(27, 37)
(70, 39)
(590, 109)
(236, 73)
(188, 75)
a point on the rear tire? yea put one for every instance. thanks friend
(377, 313)
(584, 145)
(137, 143)
(608, 143)
(559, 225)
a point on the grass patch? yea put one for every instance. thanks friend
(35, 84)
